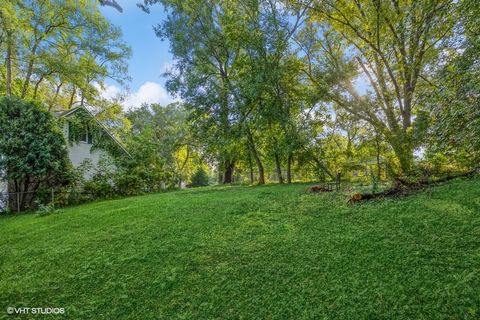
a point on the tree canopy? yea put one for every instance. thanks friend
(270, 90)
(277, 83)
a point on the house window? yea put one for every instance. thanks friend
(86, 136)
(89, 137)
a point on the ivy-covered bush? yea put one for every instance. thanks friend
(102, 184)
(32, 149)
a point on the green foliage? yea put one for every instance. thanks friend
(83, 121)
(388, 46)
(276, 90)
(200, 178)
(240, 80)
(44, 209)
(454, 101)
(102, 184)
(162, 145)
(266, 78)
(32, 147)
(279, 253)
(56, 49)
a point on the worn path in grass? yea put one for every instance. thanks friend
(269, 252)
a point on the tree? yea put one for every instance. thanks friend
(237, 73)
(8, 22)
(56, 50)
(32, 149)
(206, 62)
(270, 89)
(163, 140)
(392, 43)
(453, 95)
(111, 3)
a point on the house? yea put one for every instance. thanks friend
(87, 140)
(3, 192)
(82, 143)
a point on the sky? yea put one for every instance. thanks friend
(150, 56)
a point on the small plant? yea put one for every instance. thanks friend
(6, 211)
(44, 209)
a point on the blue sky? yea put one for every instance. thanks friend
(150, 55)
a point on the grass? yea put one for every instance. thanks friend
(270, 252)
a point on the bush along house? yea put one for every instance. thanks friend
(87, 142)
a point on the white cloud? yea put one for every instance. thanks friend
(149, 92)
(110, 92)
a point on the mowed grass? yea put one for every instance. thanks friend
(271, 252)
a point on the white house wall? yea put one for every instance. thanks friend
(3, 194)
(3, 190)
(81, 152)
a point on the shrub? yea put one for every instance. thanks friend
(199, 178)
(33, 149)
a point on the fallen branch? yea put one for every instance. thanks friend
(403, 187)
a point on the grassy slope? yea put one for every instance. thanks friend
(250, 252)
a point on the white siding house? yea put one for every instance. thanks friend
(3, 192)
(82, 151)
(78, 152)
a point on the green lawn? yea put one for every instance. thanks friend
(269, 252)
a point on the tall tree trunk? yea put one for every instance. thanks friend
(22, 193)
(279, 168)
(12, 187)
(404, 153)
(254, 152)
(261, 170)
(37, 84)
(9, 62)
(250, 167)
(229, 168)
(289, 168)
(57, 91)
(26, 82)
(377, 145)
(72, 96)
(220, 175)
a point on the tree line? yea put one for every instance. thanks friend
(323, 84)
(272, 90)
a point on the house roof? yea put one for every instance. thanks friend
(67, 113)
